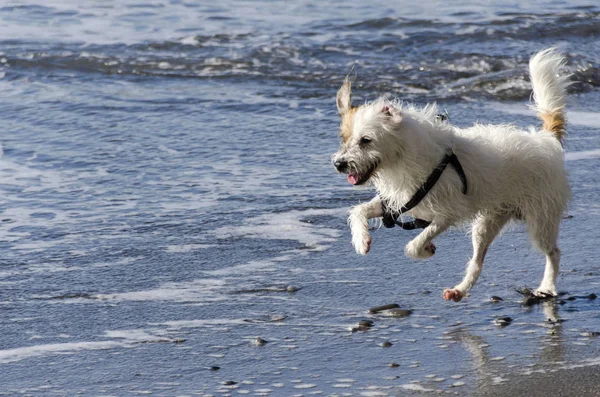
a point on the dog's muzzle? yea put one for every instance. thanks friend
(359, 178)
(341, 166)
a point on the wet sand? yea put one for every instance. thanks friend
(573, 382)
(172, 223)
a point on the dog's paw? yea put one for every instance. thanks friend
(430, 249)
(362, 243)
(452, 294)
(412, 250)
(545, 293)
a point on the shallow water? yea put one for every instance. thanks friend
(165, 178)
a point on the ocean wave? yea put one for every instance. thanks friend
(506, 25)
(398, 56)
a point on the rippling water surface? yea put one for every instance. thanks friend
(166, 198)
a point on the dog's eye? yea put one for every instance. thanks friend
(365, 141)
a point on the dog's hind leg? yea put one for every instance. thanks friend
(548, 285)
(359, 223)
(544, 236)
(484, 231)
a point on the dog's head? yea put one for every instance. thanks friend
(368, 136)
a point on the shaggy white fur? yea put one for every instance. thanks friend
(512, 174)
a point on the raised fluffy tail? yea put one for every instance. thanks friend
(549, 90)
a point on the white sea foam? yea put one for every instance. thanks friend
(373, 393)
(188, 247)
(414, 387)
(60, 267)
(15, 174)
(137, 335)
(245, 268)
(124, 339)
(286, 226)
(199, 290)
(585, 119)
(202, 323)
(583, 155)
(574, 117)
(498, 379)
(189, 40)
(37, 246)
(21, 353)
(305, 386)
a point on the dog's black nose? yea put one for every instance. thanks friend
(341, 165)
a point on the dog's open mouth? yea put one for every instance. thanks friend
(358, 179)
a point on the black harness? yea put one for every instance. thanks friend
(390, 218)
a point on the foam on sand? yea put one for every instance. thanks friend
(188, 247)
(583, 155)
(21, 353)
(286, 226)
(206, 289)
(127, 338)
(579, 118)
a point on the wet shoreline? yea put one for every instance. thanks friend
(172, 225)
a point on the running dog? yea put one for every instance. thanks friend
(501, 172)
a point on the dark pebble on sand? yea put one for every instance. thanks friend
(378, 309)
(397, 312)
(503, 321)
(530, 301)
(386, 344)
(260, 341)
(524, 291)
(496, 299)
(362, 325)
(592, 334)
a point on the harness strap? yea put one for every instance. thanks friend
(459, 170)
(390, 219)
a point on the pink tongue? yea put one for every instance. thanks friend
(353, 178)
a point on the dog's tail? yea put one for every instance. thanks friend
(549, 90)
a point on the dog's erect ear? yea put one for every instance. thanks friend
(391, 112)
(344, 97)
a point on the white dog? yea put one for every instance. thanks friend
(511, 174)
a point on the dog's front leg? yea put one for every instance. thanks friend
(359, 224)
(421, 246)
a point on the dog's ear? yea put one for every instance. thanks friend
(344, 97)
(391, 112)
